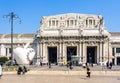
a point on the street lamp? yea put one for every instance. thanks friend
(11, 16)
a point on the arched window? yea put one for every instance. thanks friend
(53, 23)
(90, 22)
(71, 22)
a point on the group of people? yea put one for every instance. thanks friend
(21, 70)
(69, 64)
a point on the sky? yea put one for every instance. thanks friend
(31, 11)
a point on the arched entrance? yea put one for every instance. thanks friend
(92, 54)
(118, 60)
(71, 51)
(52, 54)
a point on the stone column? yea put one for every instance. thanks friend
(84, 52)
(7, 52)
(38, 52)
(115, 56)
(79, 51)
(60, 52)
(44, 54)
(41, 51)
(101, 52)
(63, 52)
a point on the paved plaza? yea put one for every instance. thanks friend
(75, 68)
(58, 79)
(60, 74)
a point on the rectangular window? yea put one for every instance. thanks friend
(94, 22)
(117, 50)
(113, 52)
(75, 22)
(90, 22)
(10, 50)
(49, 23)
(71, 22)
(57, 23)
(6, 52)
(67, 22)
(53, 23)
(86, 22)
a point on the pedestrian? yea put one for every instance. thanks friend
(88, 72)
(19, 70)
(110, 65)
(67, 64)
(107, 64)
(49, 64)
(41, 63)
(24, 69)
(70, 65)
(1, 71)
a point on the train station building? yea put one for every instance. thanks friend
(71, 36)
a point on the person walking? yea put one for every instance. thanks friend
(0, 71)
(88, 72)
(110, 65)
(70, 65)
(19, 70)
(24, 69)
(49, 64)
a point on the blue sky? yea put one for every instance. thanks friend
(31, 12)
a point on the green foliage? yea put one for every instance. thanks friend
(13, 68)
(10, 68)
(3, 59)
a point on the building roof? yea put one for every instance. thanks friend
(115, 33)
(17, 35)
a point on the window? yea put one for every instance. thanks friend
(75, 22)
(71, 22)
(90, 23)
(86, 22)
(53, 23)
(113, 52)
(117, 50)
(50, 23)
(56, 22)
(94, 22)
(67, 22)
(10, 50)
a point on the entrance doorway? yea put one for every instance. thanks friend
(91, 54)
(52, 54)
(71, 51)
(118, 60)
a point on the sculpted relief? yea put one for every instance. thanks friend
(72, 21)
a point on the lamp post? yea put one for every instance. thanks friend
(11, 16)
(108, 51)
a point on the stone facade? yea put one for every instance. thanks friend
(83, 33)
(69, 36)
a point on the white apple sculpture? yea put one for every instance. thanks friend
(24, 55)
